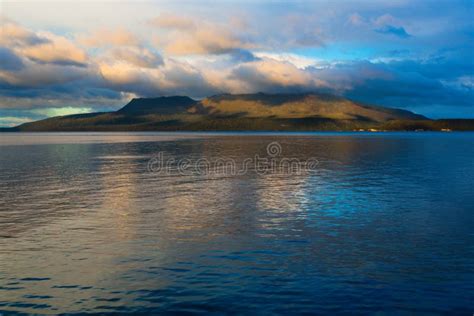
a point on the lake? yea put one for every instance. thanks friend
(351, 223)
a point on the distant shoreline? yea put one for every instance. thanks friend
(12, 130)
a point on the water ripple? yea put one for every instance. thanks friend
(384, 225)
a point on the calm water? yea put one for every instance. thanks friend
(383, 224)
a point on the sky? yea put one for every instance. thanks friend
(64, 57)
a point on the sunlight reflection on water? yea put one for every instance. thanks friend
(383, 224)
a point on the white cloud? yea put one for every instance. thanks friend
(57, 50)
(299, 61)
(44, 47)
(14, 35)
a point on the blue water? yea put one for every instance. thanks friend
(384, 223)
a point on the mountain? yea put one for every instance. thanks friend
(161, 105)
(260, 111)
(291, 106)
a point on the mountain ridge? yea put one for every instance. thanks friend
(253, 112)
(157, 105)
(299, 106)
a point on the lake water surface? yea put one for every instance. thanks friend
(383, 223)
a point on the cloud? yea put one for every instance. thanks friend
(38, 75)
(10, 121)
(383, 24)
(398, 52)
(192, 36)
(348, 48)
(35, 102)
(387, 24)
(9, 60)
(42, 47)
(390, 84)
(171, 21)
(356, 19)
(299, 61)
(390, 29)
(300, 30)
(206, 40)
(174, 77)
(242, 55)
(118, 74)
(13, 35)
(188, 35)
(268, 74)
(466, 82)
(107, 37)
(48, 112)
(409, 84)
(140, 57)
(57, 50)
